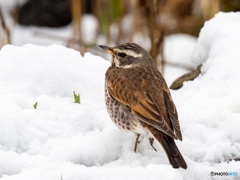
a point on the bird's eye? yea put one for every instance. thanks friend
(121, 54)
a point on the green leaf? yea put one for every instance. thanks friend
(35, 105)
(76, 98)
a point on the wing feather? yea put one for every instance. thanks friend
(172, 113)
(143, 106)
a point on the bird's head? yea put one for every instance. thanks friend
(128, 55)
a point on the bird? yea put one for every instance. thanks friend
(138, 99)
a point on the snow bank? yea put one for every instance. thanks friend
(219, 36)
(79, 141)
(209, 106)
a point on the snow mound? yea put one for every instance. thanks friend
(209, 106)
(219, 36)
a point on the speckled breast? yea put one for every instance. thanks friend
(122, 118)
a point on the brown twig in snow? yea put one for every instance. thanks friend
(4, 28)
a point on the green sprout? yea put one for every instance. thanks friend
(76, 98)
(35, 105)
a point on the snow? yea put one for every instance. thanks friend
(62, 139)
(220, 35)
(177, 49)
(209, 105)
(89, 28)
(44, 36)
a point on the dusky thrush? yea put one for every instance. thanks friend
(138, 99)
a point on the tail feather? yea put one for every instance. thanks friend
(174, 156)
(170, 146)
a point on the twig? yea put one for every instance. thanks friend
(151, 17)
(76, 9)
(5, 27)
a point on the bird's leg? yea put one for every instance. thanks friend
(151, 142)
(136, 142)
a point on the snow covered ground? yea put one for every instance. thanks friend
(64, 140)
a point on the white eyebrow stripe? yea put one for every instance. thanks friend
(131, 66)
(128, 52)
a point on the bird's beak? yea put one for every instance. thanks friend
(108, 49)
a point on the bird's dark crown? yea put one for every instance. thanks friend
(128, 55)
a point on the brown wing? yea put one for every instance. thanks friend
(172, 112)
(142, 105)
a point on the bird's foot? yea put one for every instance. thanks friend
(151, 142)
(136, 142)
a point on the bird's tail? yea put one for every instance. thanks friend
(174, 156)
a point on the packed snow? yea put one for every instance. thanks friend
(64, 140)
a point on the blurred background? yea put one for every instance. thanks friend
(167, 29)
